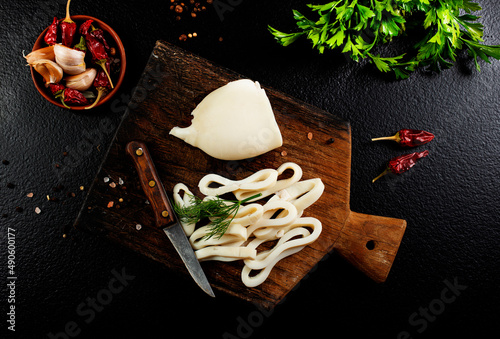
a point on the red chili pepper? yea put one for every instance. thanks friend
(70, 96)
(51, 35)
(85, 27)
(56, 89)
(99, 35)
(99, 55)
(101, 83)
(68, 28)
(402, 163)
(409, 137)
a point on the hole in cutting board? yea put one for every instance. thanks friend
(370, 245)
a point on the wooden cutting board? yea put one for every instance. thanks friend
(173, 83)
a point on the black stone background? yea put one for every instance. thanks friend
(450, 199)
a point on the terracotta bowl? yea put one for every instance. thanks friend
(115, 42)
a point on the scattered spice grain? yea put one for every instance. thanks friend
(309, 135)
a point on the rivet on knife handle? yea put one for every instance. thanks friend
(151, 183)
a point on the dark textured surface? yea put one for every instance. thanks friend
(450, 199)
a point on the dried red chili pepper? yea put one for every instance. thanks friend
(70, 96)
(402, 163)
(101, 83)
(85, 27)
(68, 28)
(409, 137)
(99, 55)
(50, 37)
(99, 35)
(56, 89)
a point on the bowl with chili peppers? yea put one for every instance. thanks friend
(77, 62)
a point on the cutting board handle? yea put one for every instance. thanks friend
(371, 243)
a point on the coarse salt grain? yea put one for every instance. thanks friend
(106, 179)
(38, 210)
(138, 227)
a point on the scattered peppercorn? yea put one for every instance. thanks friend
(5, 162)
(330, 141)
(19, 209)
(10, 185)
(191, 8)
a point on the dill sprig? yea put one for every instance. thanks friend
(220, 211)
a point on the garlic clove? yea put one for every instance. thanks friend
(81, 81)
(42, 53)
(70, 60)
(74, 70)
(51, 72)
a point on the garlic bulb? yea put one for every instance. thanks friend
(70, 60)
(42, 53)
(81, 81)
(51, 72)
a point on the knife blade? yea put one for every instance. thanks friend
(165, 218)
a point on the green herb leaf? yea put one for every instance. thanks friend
(355, 27)
(220, 211)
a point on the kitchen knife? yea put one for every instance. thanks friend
(164, 213)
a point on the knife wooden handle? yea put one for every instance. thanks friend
(151, 184)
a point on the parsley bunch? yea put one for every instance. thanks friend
(358, 26)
